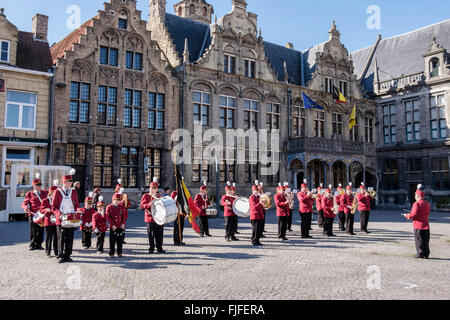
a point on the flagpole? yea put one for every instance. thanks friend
(178, 205)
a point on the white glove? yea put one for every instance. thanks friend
(96, 230)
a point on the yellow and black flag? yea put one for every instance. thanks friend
(338, 96)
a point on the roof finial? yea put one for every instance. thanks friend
(2, 12)
(186, 51)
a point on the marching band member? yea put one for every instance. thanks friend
(99, 224)
(50, 219)
(341, 208)
(234, 194)
(31, 205)
(155, 231)
(230, 217)
(283, 209)
(117, 219)
(178, 228)
(306, 205)
(364, 207)
(347, 200)
(291, 210)
(86, 221)
(319, 206)
(97, 194)
(420, 214)
(124, 202)
(261, 192)
(328, 213)
(202, 203)
(256, 215)
(65, 200)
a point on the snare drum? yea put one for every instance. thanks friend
(164, 211)
(211, 212)
(241, 207)
(39, 219)
(71, 220)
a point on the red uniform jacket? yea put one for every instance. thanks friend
(99, 222)
(228, 210)
(341, 203)
(115, 216)
(327, 206)
(256, 208)
(420, 214)
(57, 199)
(319, 202)
(86, 217)
(33, 202)
(306, 203)
(363, 202)
(174, 195)
(46, 208)
(282, 204)
(145, 205)
(347, 201)
(201, 204)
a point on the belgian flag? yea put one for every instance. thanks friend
(185, 201)
(338, 96)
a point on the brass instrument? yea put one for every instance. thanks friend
(335, 204)
(266, 202)
(354, 204)
(290, 195)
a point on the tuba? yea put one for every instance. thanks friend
(266, 202)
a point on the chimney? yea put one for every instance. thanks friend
(290, 45)
(40, 27)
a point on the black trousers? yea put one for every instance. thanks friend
(264, 221)
(176, 230)
(100, 241)
(328, 226)
(341, 215)
(51, 241)
(204, 225)
(349, 222)
(320, 218)
(422, 238)
(230, 227)
(86, 238)
(155, 236)
(257, 229)
(282, 227)
(36, 234)
(306, 223)
(364, 217)
(289, 220)
(115, 239)
(65, 241)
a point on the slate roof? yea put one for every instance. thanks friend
(400, 55)
(278, 54)
(309, 61)
(33, 54)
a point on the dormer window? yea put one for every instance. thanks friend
(191, 9)
(434, 67)
(4, 54)
(205, 12)
(229, 64)
(249, 68)
(123, 21)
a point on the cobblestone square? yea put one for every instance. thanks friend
(211, 268)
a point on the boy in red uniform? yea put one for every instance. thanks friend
(306, 209)
(117, 219)
(230, 217)
(420, 214)
(283, 209)
(86, 221)
(202, 203)
(347, 200)
(328, 213)
(341, 208)
(319, 206)
(31, 205)
(50, 222)
(99, 224)
(364, 208)
(256, 215)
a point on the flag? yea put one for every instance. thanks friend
(309, 103)
(338, 96)
(185, 201)
(352, 122)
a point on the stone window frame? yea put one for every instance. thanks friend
(319, 123)
(439, 118)
(299, 119)
(337, 124)
(108, 62)
(354, 132)
(442, 172)
(133, 60)
(21, 106)
(343, 87)
(8, 54)
(413, 123)
(154, 169)
(204, 107)
(389, 129)
(110, 104)
(81, 101)
(78, 149)
(227, 108)
(251, 114)
(127, 167)
(156, 110)
(134, 108)
(200, 171)
(273, 116)
(329, 83)
(435, 70)
(368, 130)
(102, 165)
(391, 174)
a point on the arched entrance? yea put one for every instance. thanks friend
(316, 173)
(297, 173)
(339, 174)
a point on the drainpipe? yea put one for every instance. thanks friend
(51, 109)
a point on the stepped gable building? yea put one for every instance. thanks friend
(408, 76)
(116, 103)
(233, 79)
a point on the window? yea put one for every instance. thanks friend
(133, 60)
(20, 110)
(440, 174)
(391, 175)
(414, 165)
(122, 23)
(4, 51)
(152, 165)
(205, 12)
(337, 123)
(329, 85)
(156, 111)
(229, 64)
(79, 102)
(343, 87)
(227, 166)
(251, 111)
(132, 110)
(75, 154)
(389, 123)
(129, 166)
(109, 56)
(20, 157)
(202, 102)
(319, 124)
(227, 111)
(107, 98)
(180, 11)
(103, 166)
(438, 122)
(201, 172)
(354, 133)
(191, 9)
(273, 117)
(434, 67)
(368, 123)
(251, 172)
(298, 121)
(250, 68)
(412, 119)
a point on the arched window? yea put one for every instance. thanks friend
(205, 11)
(191, 9)
(434, 67)
(180, 11)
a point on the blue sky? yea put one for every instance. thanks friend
(304, 23)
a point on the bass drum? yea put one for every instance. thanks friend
(241, 207)
(39, 219)
(164, 211)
